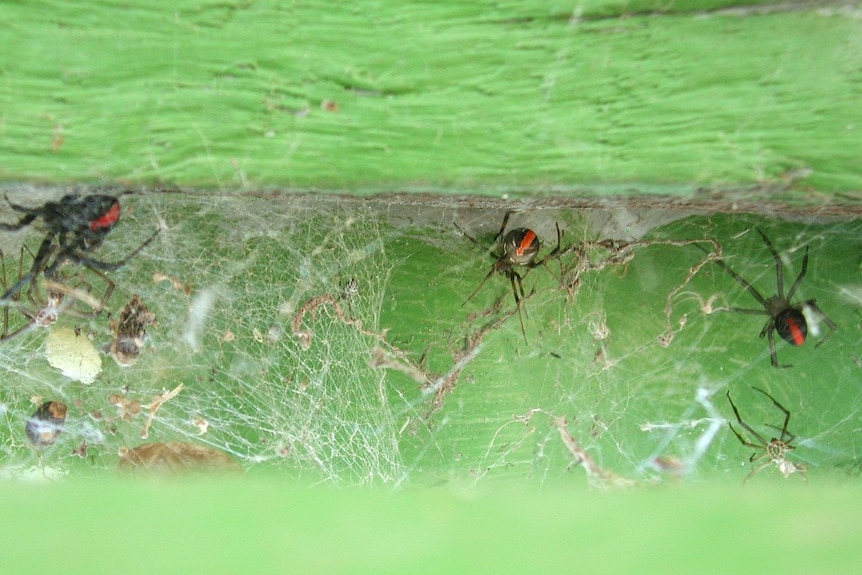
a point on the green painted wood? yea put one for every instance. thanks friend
(448, 97)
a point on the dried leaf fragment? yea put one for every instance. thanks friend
(175, 457)
(158, 401)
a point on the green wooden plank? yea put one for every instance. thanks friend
(447, 97)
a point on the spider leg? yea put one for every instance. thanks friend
(108, 290)
(747, 311)
(758, 455)
(744, 441)
(741, 281)
(115, 265)
(767, 327)
(757, 470)
(487, 250)
(481, 283)
(789, 437)
(782, 408)
(24, 221)
(799, 277)
(745, 426)
(9, 335)
(517, 279)
(503, 226)
(517, 284)
(770, 335)
(6, 334)
(79, 258)
(19, 208)
(75, 293)
(39, 261)
(471, 238)
(553, 254)
(779, 267)
(520, 281)
(556, 250)
(5, 307)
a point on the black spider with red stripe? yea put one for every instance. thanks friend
(74, 227)
(519, 247)
(785, 318)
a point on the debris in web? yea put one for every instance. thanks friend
(129, 332)
(680, 466)
(386, 359)
(126, 408)
(175, 457)
(620, 253)
(310, 307)
(598, 476)
(178, 285)
(46, 424)
(154, 407)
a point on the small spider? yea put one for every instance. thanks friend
(775, 450)
(44, 301)
(74, 226)
(519, 247)
(784, 317)
(350, 289)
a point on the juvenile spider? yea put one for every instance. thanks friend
(44, 301)
(775, 450)
(74, 226)
(519, 247)
(784, 317)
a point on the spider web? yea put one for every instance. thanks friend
(228, 297)
(640, 360)
(325, 338)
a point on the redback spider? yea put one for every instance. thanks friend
(784, 317)
(775, 450)
(74, 226)
(519, 247)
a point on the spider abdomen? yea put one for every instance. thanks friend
(521, 246)
(78, 214)
(106, 219)
(791, 326)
